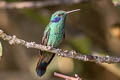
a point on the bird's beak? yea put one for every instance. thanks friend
(72, 11)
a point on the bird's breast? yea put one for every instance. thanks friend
(56, 36)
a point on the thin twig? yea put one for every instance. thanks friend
(76, 77)
(36, 4)
(64, 53)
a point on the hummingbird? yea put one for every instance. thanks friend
(53, 35)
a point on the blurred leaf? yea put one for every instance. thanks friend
(116, 3)
(12, 0)
(112, 68)
(115, 31)
(0, 49)
(82, 44)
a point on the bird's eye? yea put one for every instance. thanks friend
(60, 14)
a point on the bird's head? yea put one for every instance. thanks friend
(60, 15)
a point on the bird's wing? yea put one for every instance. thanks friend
(46, 36)
(46, 57)
(44, 42)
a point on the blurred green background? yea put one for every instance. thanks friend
(96, 28)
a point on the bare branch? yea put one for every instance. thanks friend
(67, 77)
(36, 4)
(71, 54)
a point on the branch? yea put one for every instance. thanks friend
(70, 54)
(67, 77)
(36, 4)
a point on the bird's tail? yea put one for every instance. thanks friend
(44, 60)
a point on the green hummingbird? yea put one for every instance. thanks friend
(53, 36)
